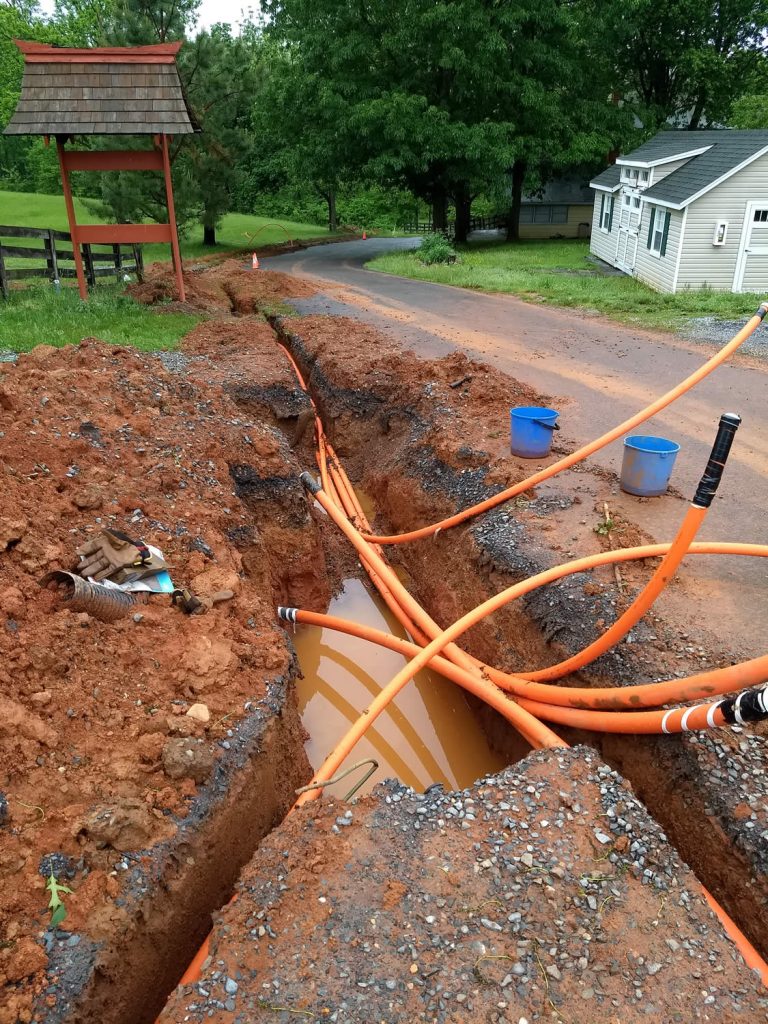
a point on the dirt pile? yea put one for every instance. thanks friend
(91, 714)
(230, 286)
(543, 893)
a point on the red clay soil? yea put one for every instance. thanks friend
(196, 459)
(91, 713)
(545, 893)
(222, 288)
(384, 408)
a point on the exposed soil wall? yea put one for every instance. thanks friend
(94, 730)
(426, 438)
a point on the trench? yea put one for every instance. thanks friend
(432, 733)
(661, 770)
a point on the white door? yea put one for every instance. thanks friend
(752, 265)
(626, 239)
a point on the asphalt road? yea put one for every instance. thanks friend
(596, 373)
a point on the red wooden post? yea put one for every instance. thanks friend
(172, 219)
(72, 221)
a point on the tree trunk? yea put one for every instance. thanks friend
(518, 177)
(463, 201)
(330, 197)
(696, 113)
(439, 210)
(209, 234)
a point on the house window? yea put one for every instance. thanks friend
(761, 216)
(643, 177)
(658, 231)
(544, 213)
(636, 202)
(606, 212)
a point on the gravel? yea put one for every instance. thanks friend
(545, 892)
(716, 333)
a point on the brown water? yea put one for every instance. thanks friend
(428, 734)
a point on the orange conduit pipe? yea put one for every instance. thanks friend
(491, 695)
(678, 549)
(519, 685)
(589, 449)
(751, 956)
(705, 684)
(534, 732)
(702, 716)
(732, 678)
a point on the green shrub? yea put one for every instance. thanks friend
(436, 249)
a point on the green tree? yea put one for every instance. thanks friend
(137, 22)
(218, 73)
(216, 70)
(682, 59)
(440, 98)
(750, 111)
(84, 22)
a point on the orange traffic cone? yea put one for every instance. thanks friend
(364, 235)
(255, 262)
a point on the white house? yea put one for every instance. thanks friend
(687, 209)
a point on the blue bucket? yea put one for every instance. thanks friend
(647, 465)
(531, 429)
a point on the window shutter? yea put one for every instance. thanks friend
(610, 214)
(602, 209)
(667, 219)
(650, 228)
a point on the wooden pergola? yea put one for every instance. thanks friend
(66, 92)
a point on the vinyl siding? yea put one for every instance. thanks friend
(578, 213)
(703, 263)
(602, 244)
(658, 271)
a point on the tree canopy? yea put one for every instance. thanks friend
(444, 100)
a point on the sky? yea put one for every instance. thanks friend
(211, 11)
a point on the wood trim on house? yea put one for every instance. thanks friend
(44, 53)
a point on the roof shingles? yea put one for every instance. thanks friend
(723, 151)
(66, 97)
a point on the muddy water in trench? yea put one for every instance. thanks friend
(428, 734)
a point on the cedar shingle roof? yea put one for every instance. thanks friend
(107, 91)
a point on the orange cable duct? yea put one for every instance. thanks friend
(588, 449)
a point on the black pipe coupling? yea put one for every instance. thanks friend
(287, 614)
(721, 449)
(747, 706)
(762, 309)
(310, 483)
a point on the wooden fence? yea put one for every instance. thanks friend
(426, 227)
(114, 262)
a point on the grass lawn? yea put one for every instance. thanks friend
(38, 315)
(548, 271)
(31, 210)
